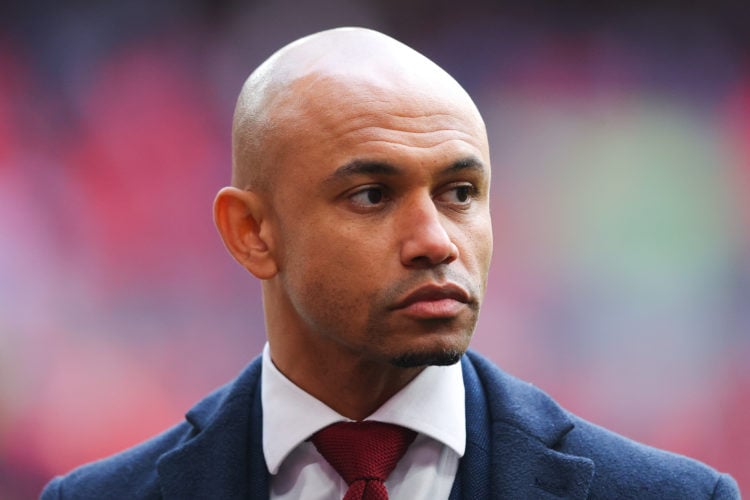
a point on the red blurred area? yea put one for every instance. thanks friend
(119, 307)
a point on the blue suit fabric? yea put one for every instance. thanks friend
(520, 445)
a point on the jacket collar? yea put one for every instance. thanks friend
(513, 430)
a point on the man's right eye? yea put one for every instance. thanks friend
(368, 197)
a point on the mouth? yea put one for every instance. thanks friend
(434, 301)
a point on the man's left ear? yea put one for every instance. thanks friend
(240, 218)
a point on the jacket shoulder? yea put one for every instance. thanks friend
(130, 473)
(133, 473)
(627, 469)
(623, 468)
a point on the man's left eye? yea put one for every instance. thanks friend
(460, 195)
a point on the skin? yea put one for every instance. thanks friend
(360, 198)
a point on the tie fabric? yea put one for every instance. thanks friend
(364, 454)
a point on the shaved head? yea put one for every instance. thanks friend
(287, 93)
(361, 178)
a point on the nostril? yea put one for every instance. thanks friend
(422, 262)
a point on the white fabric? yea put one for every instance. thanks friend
(432, 404)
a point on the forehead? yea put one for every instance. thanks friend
(336, 117)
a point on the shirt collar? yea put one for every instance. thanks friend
(431, 404)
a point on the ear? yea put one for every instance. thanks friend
(240, 218)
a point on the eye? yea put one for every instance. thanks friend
(368, 197)
(461, 194)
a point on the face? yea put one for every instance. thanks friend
(382, 229)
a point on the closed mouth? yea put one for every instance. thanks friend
(432, 293)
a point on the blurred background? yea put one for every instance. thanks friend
(620, 134)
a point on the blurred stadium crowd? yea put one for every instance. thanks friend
(621, 155)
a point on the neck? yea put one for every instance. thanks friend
(352, 385)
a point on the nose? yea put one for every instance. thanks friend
(425, 242)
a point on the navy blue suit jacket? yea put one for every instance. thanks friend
(520, 444)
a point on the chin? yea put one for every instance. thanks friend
(441, 345)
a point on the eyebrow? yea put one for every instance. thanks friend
(366, 167)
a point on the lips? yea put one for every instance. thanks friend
(434, 301)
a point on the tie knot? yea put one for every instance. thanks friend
(363, 450)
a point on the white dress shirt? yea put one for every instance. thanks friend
(432, 404)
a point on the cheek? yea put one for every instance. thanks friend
(477, 250)
(322, 268)
(487, 245)
(477, 236)
(344, 251)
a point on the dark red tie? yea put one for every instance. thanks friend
(364, 454)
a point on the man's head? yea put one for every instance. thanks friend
(360, 197)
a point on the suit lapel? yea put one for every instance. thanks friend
(512, 429)
(225, 457)
(473, 478)
(526, 468)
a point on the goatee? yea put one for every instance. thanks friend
(417, 359)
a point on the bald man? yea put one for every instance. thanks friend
(360, 199)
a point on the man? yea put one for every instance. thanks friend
(360, 199)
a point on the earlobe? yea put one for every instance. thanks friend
(241, 221)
